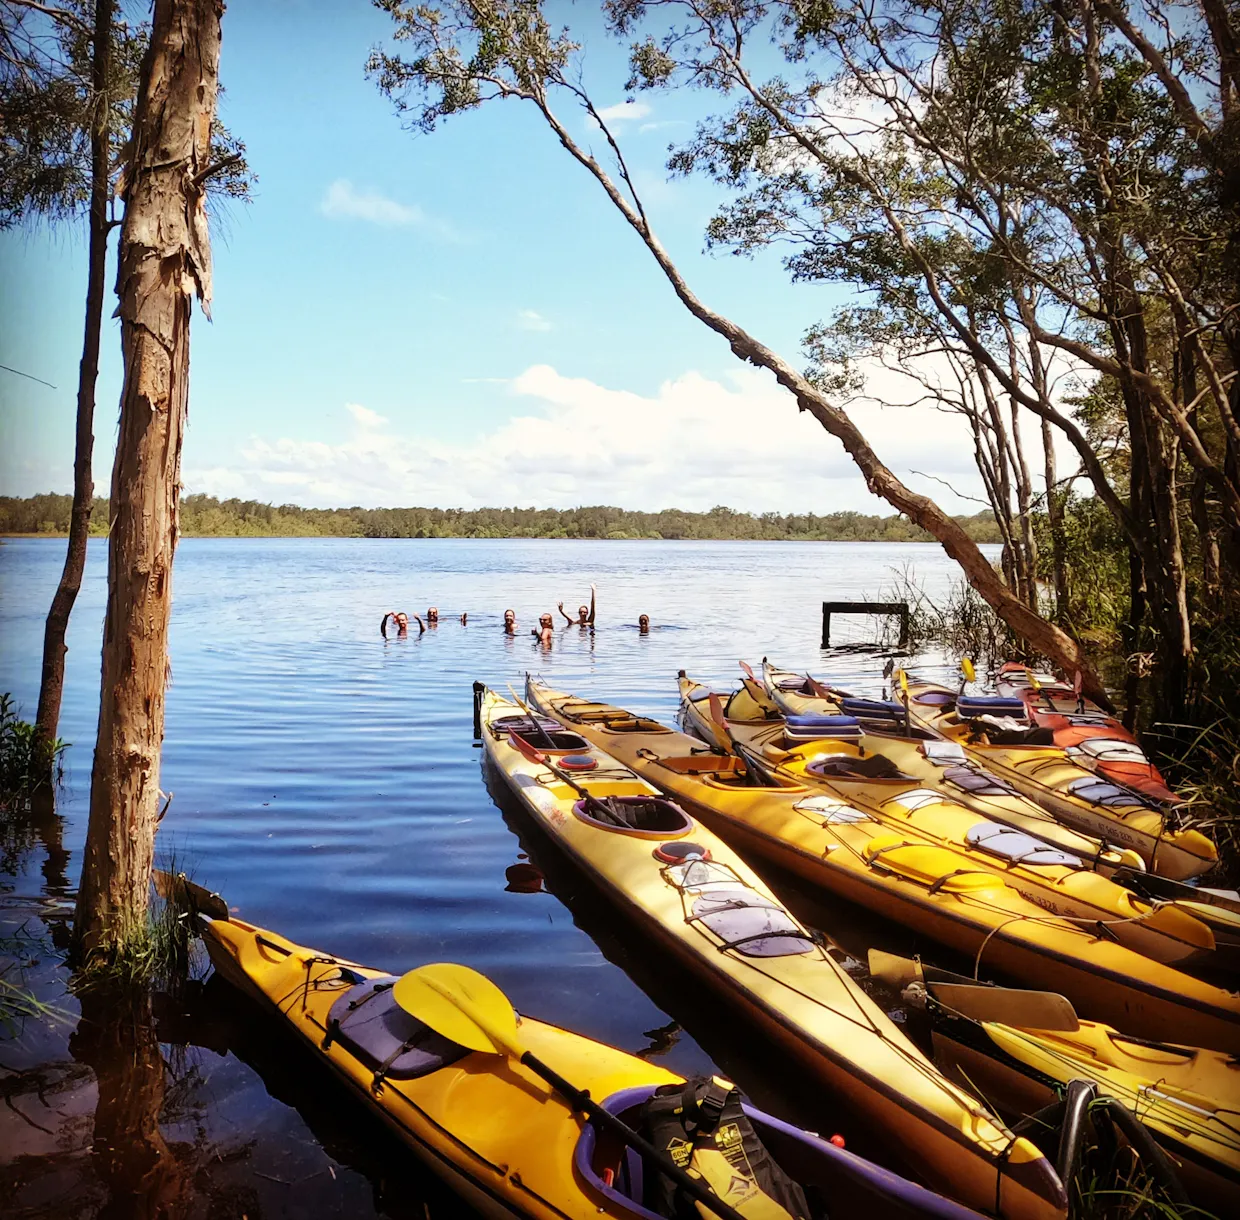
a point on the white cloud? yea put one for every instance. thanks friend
(344, 201)
(365, 416)
(624, 112)
(531, 319)
(692, 444)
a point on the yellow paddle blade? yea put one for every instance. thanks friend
(462, 1005)
(902, 678)
(1034, 684)
(966, 668)
(894, 971)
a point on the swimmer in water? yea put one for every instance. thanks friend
(432, 616)
(545, 629)
(510, 622)
(643, 624)
(400, 620)
(585, 614)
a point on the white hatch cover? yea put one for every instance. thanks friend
(1017, 846)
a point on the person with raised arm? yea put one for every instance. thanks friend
(400, 620)
(585, 614)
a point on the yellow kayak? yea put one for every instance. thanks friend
(685, 888)
(1059, 881)
(493, 1129)
(1188, 1097)
(1163, 838)
(944, 894)
(752, 715)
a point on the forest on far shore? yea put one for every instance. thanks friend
(205, 516)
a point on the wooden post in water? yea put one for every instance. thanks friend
(830, 608)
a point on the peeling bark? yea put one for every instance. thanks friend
(164, 262)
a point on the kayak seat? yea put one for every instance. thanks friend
(935, 698)
(968, 706)
(523, 725)
(811, 727)
(750, 923)
(794, 685)
(367, 1022)
(977, 781)
(873, 709)
(1015, 845)
(562, 741)
(846, 766)
(648, 816)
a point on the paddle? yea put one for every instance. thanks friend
(1151, 885)
(719, 722)
(178, 888)
(902, 678)
(748, 670)
(755, 768)
(967, 674)
(537, 756)
(534, 720)
(470, 1010)
(977, 1001)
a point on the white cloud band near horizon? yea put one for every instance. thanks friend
(693, 444)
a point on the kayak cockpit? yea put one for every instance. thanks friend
(648, 817)
(835, 1181)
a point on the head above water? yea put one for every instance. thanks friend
(544, 620)
(510, 616)
(583, 614)
(432, 615)
(643, 623)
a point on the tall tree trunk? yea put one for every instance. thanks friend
(1054, 517)
(164, 261)
(52, 682)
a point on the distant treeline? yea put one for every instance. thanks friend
(205, 516)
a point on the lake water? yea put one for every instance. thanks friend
(326, 782)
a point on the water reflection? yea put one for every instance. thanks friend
(329, 787)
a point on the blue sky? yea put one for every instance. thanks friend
(453, 319)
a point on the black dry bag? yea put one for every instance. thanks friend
(703, 1128)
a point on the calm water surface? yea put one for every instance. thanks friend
(325, 781)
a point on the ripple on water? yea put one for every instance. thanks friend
(326, 780)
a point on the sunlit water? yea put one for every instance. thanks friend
(325, 781)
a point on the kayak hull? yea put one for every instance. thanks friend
(917, 886)
(807, 1007)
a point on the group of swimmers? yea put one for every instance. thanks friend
(544, 632)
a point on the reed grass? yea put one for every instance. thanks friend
(24, 768)
(163, 953)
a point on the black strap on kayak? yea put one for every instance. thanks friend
(937, 885)
(788, 933)
(382, 1070)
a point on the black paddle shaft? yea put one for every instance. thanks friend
(579, 1099)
